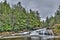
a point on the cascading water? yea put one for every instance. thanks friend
(43, 33)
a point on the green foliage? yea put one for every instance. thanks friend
(17, 18)
(53, 20)
(47, 21)
(58, 27)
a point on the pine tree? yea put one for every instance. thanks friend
(47, 21)
(17, 18)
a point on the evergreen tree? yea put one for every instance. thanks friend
(57, 16)
(17, 18)
(47, 21)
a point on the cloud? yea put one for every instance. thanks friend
(45, 7)
(1, 0)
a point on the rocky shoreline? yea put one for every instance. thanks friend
(10, 35)
(19, 34)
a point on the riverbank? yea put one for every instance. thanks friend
(11, 35)
(56, 32)
(22, 33)
(26, 36)
(12, 32)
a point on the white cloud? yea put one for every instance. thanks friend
(1, 0)
(45, 7)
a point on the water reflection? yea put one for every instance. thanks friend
(41, 38)
(35, 38)
(30, 38)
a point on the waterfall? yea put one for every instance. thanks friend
(43, 33)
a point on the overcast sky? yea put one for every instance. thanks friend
(45, 7)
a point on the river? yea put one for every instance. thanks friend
(29, 38)
(36, 32)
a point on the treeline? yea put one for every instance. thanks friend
(16, 18)
(53, 20)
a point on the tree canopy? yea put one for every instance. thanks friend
(17, 18)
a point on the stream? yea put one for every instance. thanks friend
(41, 34)
(21, 38)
